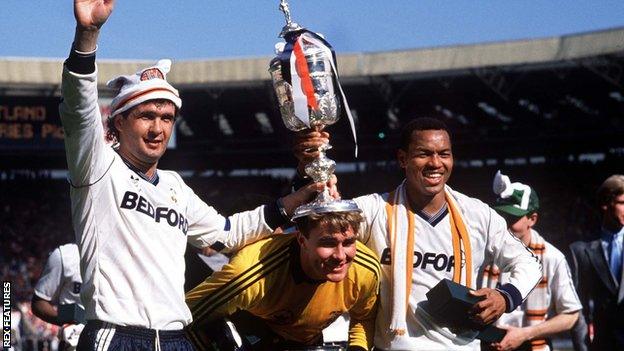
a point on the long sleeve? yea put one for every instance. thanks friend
(510, 255)
(215, 298)
(219, 296)
(362, 321)
(208, 228)
(84, 133)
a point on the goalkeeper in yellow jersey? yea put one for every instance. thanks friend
(292, 285)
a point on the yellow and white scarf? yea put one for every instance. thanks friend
(536, 304)
(402, 231)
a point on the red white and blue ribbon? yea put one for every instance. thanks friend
(295, 71)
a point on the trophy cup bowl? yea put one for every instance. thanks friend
(326, 112)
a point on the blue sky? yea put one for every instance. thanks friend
(142, 29)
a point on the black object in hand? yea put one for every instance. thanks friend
(449, 303)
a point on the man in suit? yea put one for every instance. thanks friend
(597, 268)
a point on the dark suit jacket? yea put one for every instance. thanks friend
(594, 281)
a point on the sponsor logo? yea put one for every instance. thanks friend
(428, 260)
(133, 201)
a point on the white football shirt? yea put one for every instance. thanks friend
(132, 233)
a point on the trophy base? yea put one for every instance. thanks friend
(326, 207)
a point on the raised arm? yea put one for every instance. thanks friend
(79, 109)
(207, 228)
(90, 16)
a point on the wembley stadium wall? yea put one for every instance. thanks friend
(548, 100)
(41, 74)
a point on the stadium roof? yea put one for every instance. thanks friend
(550, 99)
(27, 73)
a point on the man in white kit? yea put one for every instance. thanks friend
(132, 220)
(59, 285)
(437, 225)
(553, 306)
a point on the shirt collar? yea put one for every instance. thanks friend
(607, 235)
(153, 179)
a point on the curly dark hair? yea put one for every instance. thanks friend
(112, 134)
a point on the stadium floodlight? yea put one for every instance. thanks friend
(265, 124)
(392, 118)
(450, 114)
(617, 96)
(530, 106)
(224, 124)
(581, 105)
(492, 111)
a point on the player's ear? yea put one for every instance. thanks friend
(118, 121)
(301, 239)
(533, 218)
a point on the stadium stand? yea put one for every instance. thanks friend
(549, 112)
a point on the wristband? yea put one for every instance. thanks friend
(282, 210)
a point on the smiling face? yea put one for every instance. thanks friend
(326, 254)
(428, 162)
(144, 133)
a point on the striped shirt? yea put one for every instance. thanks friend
(266, 280)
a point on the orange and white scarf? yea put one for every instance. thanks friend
(536, 304)
(402, 232)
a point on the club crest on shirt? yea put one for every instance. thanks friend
(174, 195)
(134, 179)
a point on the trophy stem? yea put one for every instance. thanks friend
(321, 169)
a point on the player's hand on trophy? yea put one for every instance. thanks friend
(489, 309)
(306, 146)
(301, 196)
(332, 186)
(92, 14)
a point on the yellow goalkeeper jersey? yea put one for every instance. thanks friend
(266, 279)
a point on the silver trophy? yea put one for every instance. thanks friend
(324, 110)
